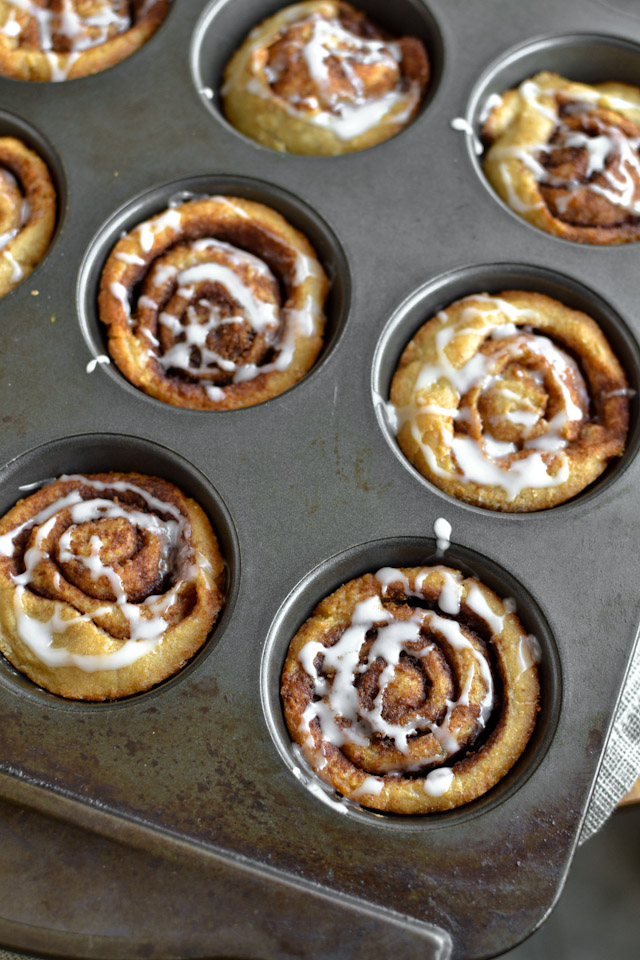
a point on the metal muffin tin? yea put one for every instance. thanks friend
(309, 490)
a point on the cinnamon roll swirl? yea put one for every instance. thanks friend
(512, 402)
(320, 78)
(214, 304)
(65, 39)
(412, 690)
(566, 157)
(27, 212)
(109, 583)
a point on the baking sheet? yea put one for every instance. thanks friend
(306, 490)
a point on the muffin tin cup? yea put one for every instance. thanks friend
(585, 58)
(104, 453)
(307, 490)
(141, 208)
(234, 20)
(442, 291)
(12, 125)
(407, 552)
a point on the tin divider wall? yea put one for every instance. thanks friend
(309, 476)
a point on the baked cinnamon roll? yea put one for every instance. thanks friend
(109, 583)
(320, 78)
(65, 39)
(512, 401)
(27, 212)
(412, 690)
(566, 157)
(214, 304)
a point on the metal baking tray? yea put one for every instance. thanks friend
(309, 490)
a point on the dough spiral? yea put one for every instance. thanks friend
(65, 39)
(214, 304)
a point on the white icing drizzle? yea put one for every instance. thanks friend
(147, 620)
(459, 123)
(345, 115)
(119, 291)
(609, 142)
(529, 653)
(130, 258)
(60, 65)
(493, 100)
(482, 461)
(371, 786)
(17, 273)
(623, 392)
(451, 592)
(149, 229)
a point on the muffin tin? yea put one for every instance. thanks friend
(309, 490)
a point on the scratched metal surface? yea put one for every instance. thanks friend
(306, 489)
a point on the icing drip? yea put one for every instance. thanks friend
(102, 358)
(437, 782)
(442, 530)
(148, 619)
(459, 123)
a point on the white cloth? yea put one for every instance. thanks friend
(621, 762)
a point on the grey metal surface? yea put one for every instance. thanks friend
(303, 482)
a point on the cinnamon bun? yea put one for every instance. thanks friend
(412, 690)
(109, 583)
(65, 39)
(566, 157)
(214, 304)
(27, 211)
(320, 78)
(510, 401)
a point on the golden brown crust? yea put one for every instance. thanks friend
(512, 401)
(192, 301)
(27, 212)
(310, 104)
(457, 694)
(565, 156)
(42, 44)
(109, 583)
